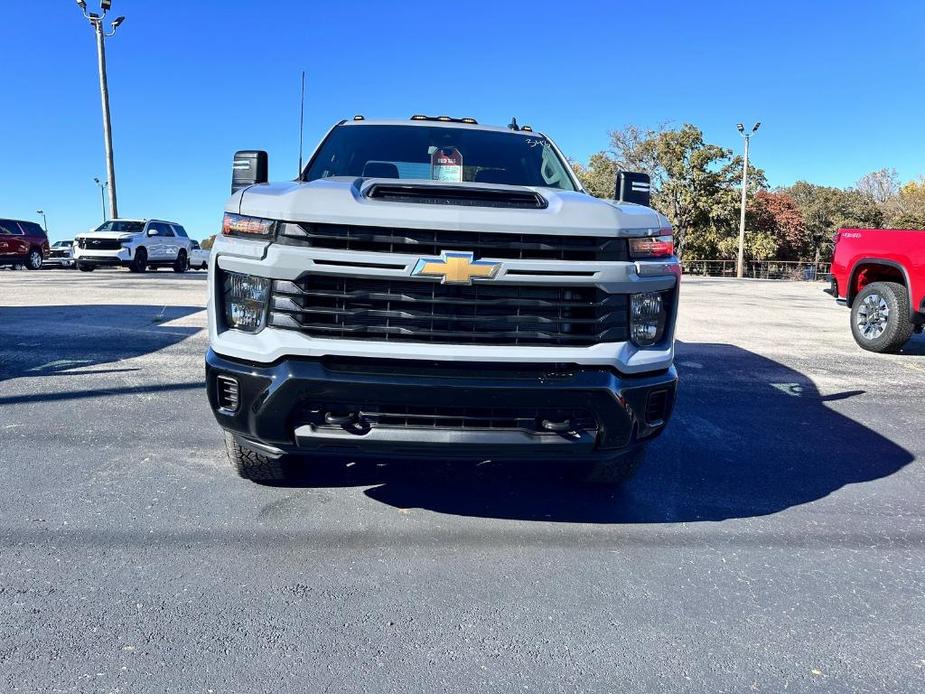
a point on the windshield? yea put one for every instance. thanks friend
(121, 225)
(446, 154)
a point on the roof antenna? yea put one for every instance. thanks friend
(301, 123)
(513, 124)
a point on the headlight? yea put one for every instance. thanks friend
(242, 225)
(245, 301)
(652, 246)
(648, 317)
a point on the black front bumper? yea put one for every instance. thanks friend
(276, 402)
(102, 260)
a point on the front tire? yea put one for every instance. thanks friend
(252, 465)
(181, 264)
(34, 261)
(880, 317)
(83, 267)
(614, 470)
(140, 261)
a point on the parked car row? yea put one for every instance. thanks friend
(136, 244)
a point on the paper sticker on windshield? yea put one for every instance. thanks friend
(446, 164)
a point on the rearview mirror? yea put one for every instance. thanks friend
(634, 187)
(153, 232)
(250, 167)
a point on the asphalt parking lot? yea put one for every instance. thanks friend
(774, 539)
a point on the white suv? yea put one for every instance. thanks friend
(137, 244)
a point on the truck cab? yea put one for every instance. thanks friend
(434, 288)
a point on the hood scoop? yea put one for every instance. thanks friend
(467, 196)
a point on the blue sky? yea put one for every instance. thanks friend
(838, 86)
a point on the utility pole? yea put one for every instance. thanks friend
(44, 219)
(103, 186)
(740, 265)
(96, 21)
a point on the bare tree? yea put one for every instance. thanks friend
(881, 185)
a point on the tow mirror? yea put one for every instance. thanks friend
(249, 167)
(634, 187)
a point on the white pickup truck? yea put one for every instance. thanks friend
(434, 288)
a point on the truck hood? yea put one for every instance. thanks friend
(113, 235)
(345, 200)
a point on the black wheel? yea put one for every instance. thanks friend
(880, 317)
(140, 261)
(181, 264)
(614, 470)
(252, 465)
(34, 261)
(83, 267)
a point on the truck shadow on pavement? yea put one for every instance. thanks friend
(61, 341)
(749, 437)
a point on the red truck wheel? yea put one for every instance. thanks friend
(880, 317)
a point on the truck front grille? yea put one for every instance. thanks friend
(433, 242)
(99, 244)
(410, 310)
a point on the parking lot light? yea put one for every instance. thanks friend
(103, 185)
(44, 219)
(747, 136)
(97, 22)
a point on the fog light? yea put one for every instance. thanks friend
(245, 298)
(647, 318)
(228, 393)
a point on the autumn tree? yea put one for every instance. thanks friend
(776, 216)
(906, 209)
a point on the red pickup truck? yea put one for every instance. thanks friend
(880, 275)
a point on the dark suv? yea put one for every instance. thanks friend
(22, 243)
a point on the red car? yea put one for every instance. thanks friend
(22, 243)
(880, 275)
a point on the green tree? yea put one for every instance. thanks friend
(694, 183)
(826, 209)
(599, 177)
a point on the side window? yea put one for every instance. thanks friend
(16, 229)
(180, 231)
(5, 227)
(32, 229)
(161, 228)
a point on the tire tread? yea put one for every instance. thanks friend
(252, 465)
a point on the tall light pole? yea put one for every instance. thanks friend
(44, 220)
(103, 186)
(740, 266)
(96, 21)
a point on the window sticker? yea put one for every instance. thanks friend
(446, 164)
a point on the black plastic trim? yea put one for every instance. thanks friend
(272, 398)
(850, 294)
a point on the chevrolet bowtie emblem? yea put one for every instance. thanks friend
(455, 267)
